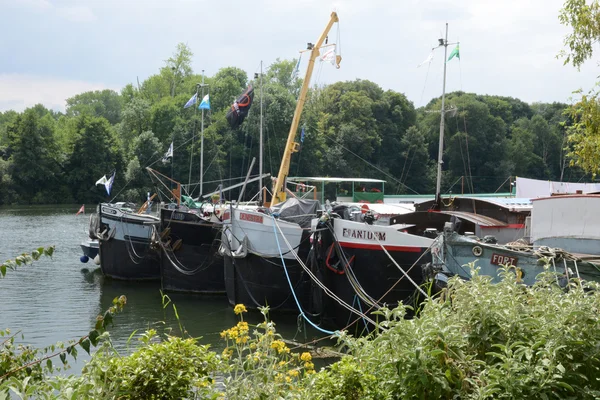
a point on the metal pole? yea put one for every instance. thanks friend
(245, 182)
(192, 151)
(202, 141)
(441, 145)
(260, 154)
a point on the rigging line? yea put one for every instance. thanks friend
(410, 165)
(380, 299)
(425, 84)
(462, 156)
(372, 165)
(395, 263)
(405, 161)
(324, 287)
(470, 176)
(327, 332)
(502, 184)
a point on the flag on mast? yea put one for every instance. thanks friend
(109, 183)
(102, 180)
(191, 101)
(296, 68)
(81, 210)
(168, 154)
(427, 60)
(205, 103)
(455, 53)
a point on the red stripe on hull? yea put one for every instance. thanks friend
(406, 249)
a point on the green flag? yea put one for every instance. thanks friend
(455, 53)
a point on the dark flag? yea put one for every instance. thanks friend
(239, 109)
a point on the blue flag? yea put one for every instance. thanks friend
(204, 104)
(191, 101)
(302, 136)
(109, 183)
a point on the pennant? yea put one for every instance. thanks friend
(101, 181)
(204, 104)
(427, 60)
(191, 101)
(81, 210)
(455, 53)
(109, 183)
(329, 56)
(296, 68)
(168, 154)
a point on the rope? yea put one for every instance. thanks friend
(381, 298)
(396, 264)
(325, 289)
(292, 288)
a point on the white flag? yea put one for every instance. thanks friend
(102, 180)
(168, 154)
(427, 60)
(329, 56)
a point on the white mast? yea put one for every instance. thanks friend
(260, 154)
(202, 140)
(443, 42)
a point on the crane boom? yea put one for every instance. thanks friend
(291, 146)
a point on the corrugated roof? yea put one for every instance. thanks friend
(337, 180)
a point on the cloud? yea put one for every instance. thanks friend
(19, 91)
(76, 13)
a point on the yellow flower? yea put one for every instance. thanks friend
(239, 308)
(309, 365)
(309, 371)
(288, 379)
(280, 346)
(282, 363)
(293, 373)
(306, 357)
(223, 334)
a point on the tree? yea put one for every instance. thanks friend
(583, 18)
(34, 165)
(177, 67)
(95, 153)
(100, 103)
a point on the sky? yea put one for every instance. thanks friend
(51, 50)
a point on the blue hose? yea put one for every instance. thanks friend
(292, 286)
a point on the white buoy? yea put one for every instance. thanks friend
(97, 259)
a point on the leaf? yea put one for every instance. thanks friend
(85, 344)
(49, 364)
(108, 319)
(49, 251)
(63, 358)
(3, 270)
(566, 386)
(93, 336)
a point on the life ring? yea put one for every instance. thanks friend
(477, 251)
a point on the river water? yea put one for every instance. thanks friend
(58, 299)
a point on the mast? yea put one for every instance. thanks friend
(260, 153)
(438, 195)
(279, 194)
(202, 140)
(192, 151)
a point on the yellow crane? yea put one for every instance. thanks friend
(291, 146)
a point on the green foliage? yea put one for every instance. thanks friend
(106, 103)
(174, 368)
(352, 129)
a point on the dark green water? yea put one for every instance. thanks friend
(58, 299)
